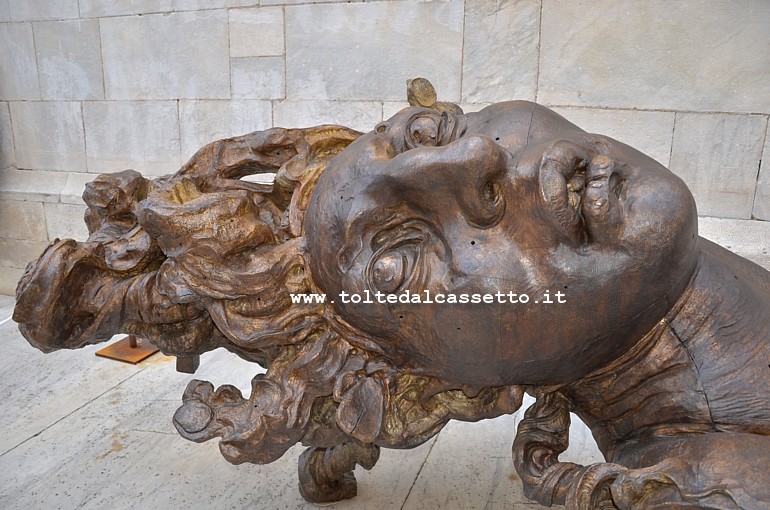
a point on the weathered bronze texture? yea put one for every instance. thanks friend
(658, 339)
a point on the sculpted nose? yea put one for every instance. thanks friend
(468, 171)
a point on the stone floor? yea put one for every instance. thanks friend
(86, 432)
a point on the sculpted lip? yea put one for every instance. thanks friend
(601, 206)
(575, 186)
(583, 191)
(562, 186)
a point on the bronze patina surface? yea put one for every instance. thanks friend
(661, 341)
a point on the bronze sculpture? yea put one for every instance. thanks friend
(658, 339)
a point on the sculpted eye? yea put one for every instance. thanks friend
(396, 268)
(389, 272)
(398, 261)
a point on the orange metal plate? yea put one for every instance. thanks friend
(122, 350)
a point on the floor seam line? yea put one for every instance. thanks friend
(33, 436)
(154, 432)
(418, 472)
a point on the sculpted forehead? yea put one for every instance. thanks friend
(512, 125)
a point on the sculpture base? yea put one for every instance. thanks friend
(129, 350)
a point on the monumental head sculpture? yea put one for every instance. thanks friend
(436, 268)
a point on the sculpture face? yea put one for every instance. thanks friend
(513, 199)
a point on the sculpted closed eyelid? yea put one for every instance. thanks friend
(394, 267)
(389, 272)
(398, 257)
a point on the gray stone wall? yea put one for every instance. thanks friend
(92, 86)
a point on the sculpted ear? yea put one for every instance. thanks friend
(362, 408)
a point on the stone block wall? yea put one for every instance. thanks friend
(92, 86)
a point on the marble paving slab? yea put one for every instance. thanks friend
(39, 390)
(470, 465)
